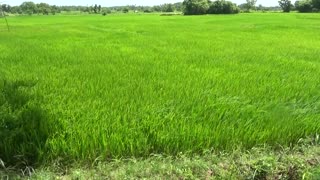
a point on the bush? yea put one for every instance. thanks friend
(147, 11)
(223, 7)
(106, 11)
(304, 6)
(195, 7)
(125, 10)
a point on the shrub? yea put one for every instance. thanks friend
(125, 10)
(223, 7)
(105, 11)
(195, 7)
(147, 11)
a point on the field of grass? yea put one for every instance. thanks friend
(82, 87)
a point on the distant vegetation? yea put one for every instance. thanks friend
(285, 5)
(198, 7)
(308, 5)
(302, 6)
(30, 8)
(188, 7)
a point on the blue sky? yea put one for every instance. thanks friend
(122, 2)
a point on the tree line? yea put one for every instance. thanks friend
(301, 6)
(30, 8)
(188, 7)
(198, 7)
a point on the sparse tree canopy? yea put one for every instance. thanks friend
(251, 4)
(195, 7)
(285, 5)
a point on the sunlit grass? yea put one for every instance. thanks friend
(132, 85)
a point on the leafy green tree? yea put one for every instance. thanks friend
(223, 7)
(54, 9)
(16, 10)
(43, 8)
(28, 7)
(285, 5)
(6, 8)
(316, 4)
(195, 7)
(251, 4)
(168, 8)
(304, 6)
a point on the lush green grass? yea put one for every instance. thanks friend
(301, 162)
(133, 85)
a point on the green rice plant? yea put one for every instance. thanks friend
(131, 85)
(24, 128)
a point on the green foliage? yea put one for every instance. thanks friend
(195, 7)
(316, 4)
(16, 10)
(251, 4)
(106, 11)
(28, 7)
(223, 7)
(168, 8)
(43, 8)
(96, 8)
(125, 10)
(285, 5)
(304, 6)
(148, 11)
(54, 9)
(5, 8)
